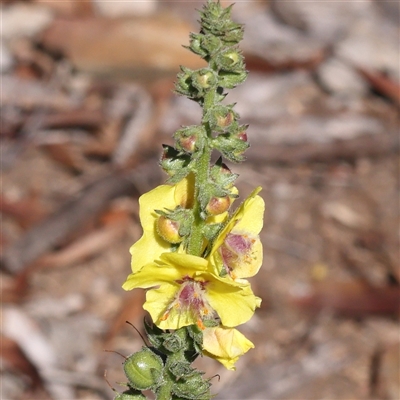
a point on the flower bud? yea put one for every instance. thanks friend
(203, 79)
(187, 144)
(144, 369)
(218, 205)
(222, 175)
(230, 61)
(225, 120)
(241, 136)
(196, 44)
(190, 138)
(192, 387)
(232, 57)
(168, 229)
(183, 85)
(221, 118)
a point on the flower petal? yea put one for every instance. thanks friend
(157, 199)
(152, 275)
(252, 216)
(247, 220)
(225, 345)
(186, 262)
(147, 249)
(184, 192)
(235, 305)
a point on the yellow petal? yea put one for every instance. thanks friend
(157, 199)
(157, 304)
(247, 220)
(238, 215)
(184, 193)
(225, 345)
(235, 305)
(186, 262)
(147, 249)
(252, 216)
(152, 275)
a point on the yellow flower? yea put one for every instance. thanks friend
(225, 345)
(150, 246)
(183, 292)
(238, 248)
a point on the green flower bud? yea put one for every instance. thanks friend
(221, 117)
(196, 44)
(211, 44)
(232, 147)
(203, 79)
(168, 229)
(230, 61)
(181, 369)
(144, 369)
(190, 139)
(173, 342)
(176, 165)
(183, 85)
(193, 387)
(222, 175)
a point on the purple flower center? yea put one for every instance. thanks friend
(236, 251)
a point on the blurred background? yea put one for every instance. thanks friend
(87, 101)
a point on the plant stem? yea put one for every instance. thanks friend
(202, 168)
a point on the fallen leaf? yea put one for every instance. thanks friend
(142, 46)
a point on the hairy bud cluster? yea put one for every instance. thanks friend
(166, 366)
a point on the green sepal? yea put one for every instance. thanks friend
(216, 20)
(203, 80)
(190, 139)
(222, 175)
(231, 147)
(221, 117)
(180, 369)
(174, 342)
(193, 388)
(230, 60)
(181, 215)
(183, 85)
(154, 334)
(230, 80)
(196, 334)
(211, 231)
(130, 394)
(174, 163)
(204, 45)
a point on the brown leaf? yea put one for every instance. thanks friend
(26, 211)
(17, 361)
(352, 299)
(87, 246)
(71, 216)
(69, 7)
(14, 289)
(65, 154)
(382, 84)
(74, 118)
(348, 150)
(145, 46)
